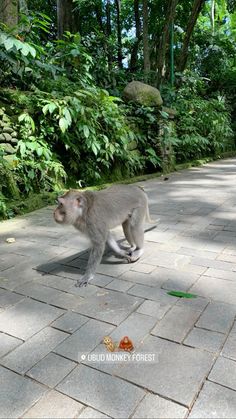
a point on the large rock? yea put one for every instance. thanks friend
(8, 148)
(142, 93)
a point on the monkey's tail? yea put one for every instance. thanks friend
(148, 218)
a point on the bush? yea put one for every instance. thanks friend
(203, 125)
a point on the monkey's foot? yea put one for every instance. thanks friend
(131, 258)
(134, 256)
(83, 282)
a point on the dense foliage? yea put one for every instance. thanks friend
(63, 69)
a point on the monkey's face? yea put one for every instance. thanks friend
(107, 340)
(69, 209)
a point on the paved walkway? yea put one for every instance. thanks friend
(51, 353)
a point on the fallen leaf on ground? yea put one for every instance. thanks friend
(181, 294)
(10, 240)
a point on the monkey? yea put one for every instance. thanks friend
(95, 213)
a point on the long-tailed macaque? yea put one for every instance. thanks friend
(96, 213)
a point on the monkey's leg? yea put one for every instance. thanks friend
(128, 235)
(137, 232)
(138, 235)
(95, 257)
(114, 246)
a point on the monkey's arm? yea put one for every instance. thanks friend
(95, 257)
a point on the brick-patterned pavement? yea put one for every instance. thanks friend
(49, 329)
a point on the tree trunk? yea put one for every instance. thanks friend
(134, 52)
(9, 12)
(119, 37)
(197, 7)
(164, 41)
(213, 16)
(64, 17)
(146, 55)
(98, 11)
(108, 34)
(108, 16)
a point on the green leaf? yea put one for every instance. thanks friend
(181, 294)
(39, 151)
(112, 148)
(151, 152)
(32, 51)
(18, 44)
(9, 42)
(22, 117)
(67, 115)
(31, 121)
(31, 174)
(25, 49)
(86, 131)
(51, 107)
(63, 124)
(164, 114)
(28, 70)
(45, 108)
(94, 148)
(22, 148)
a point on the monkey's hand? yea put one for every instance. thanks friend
(83, 282)
(129, 257)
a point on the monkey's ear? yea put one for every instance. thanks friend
(61, 200)
(79, 200)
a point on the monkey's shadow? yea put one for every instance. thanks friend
(79, 261)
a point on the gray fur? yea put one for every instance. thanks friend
(96, 213)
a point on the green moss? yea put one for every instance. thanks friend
(31, 203)
(23, 99)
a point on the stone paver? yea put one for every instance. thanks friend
(48, 295)
(7, 343)
(17, 394)
(152, 293)
(177, 372)
(176, 323)
(218, 317)
(198, 303)
(51, 369)
(33, 350)
(54, 405)
(136, 326)
(110, 395)
(229, 349)
(224, 372)
(52, 332)
(90, 413)
(205, 339)
(119, 285)
(109, 306)
(217, 289)
(153, 308)
(215, 402)
(27, 317)
(70, 322)
(84, 340)
(158, 408)
(142, 278)
(8, 298)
